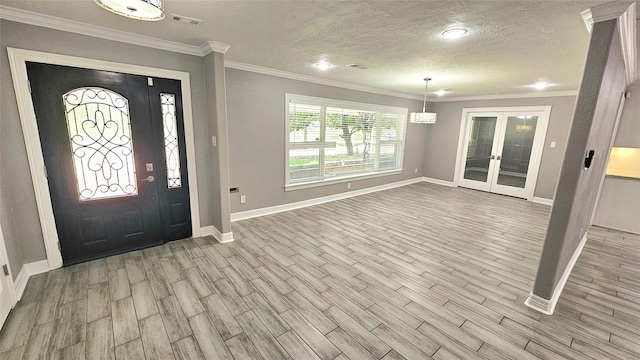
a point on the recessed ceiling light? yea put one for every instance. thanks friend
(454, 33)
(323, 65)
(541, 85)
(441, 92)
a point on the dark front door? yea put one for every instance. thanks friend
(113, 147)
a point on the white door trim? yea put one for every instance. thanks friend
(4, 259)
(17, 61)
(536, 156)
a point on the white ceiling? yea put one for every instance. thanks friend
(509, 46)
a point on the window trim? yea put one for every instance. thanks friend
(318, 101)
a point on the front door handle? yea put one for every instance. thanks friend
(492, 157)
(498, 157)
(148, 178)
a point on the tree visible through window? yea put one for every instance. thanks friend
(331, 139)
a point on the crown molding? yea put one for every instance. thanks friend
(213, 46)
(507, 96)
(52, 22)
(316, 80)
(604, 12)
(625, 13)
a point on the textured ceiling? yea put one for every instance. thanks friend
(510, 44)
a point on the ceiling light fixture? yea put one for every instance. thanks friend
(323, 65)
(149, 10)
(441, 92)
(541, 85)
(454, 33)
(424, 117)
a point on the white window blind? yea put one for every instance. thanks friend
(332, 139)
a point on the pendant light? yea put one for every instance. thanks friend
(149, 10)
(424, 117)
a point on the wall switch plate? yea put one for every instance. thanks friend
(348, 185)
(243, 199)
(213, 141)
(415, 171)
(553, 144)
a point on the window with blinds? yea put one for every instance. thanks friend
(331, 139)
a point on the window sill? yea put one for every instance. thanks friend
(338, 180)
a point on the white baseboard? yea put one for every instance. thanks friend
(28, 270)
(321, 200)
(438, 181)
(543, 201)
(547, 306)
(213, 231)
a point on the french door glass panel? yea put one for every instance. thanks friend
(479, 147)
(516, 151)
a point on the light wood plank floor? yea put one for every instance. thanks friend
(415, 272)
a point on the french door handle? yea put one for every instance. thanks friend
(148, 178)
(498, 157)
(492, 157)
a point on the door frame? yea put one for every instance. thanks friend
(17, 61)
(4, 259)
(536, 157)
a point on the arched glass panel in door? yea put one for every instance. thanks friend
(99, 130)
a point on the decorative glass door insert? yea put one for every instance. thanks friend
(100, 137)
(171, 148)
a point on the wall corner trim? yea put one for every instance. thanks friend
(222, 238)
(625, 13)
(541, 200)
(438, 181)
(547, 306)
(213, 46)
(28, 270)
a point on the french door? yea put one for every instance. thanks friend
(114, 151)
(502, 151)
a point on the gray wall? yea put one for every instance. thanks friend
(442, 138)
(619, 205)
(18, 216)
(603, 83)
(256, 117)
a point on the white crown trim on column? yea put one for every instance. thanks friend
(625, 12)
(213, 46)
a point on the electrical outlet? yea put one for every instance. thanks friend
(243, 199)
(415, 171)
(348, 185)
(553, 144)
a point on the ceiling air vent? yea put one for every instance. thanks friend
(357, 66)
(186, 20)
